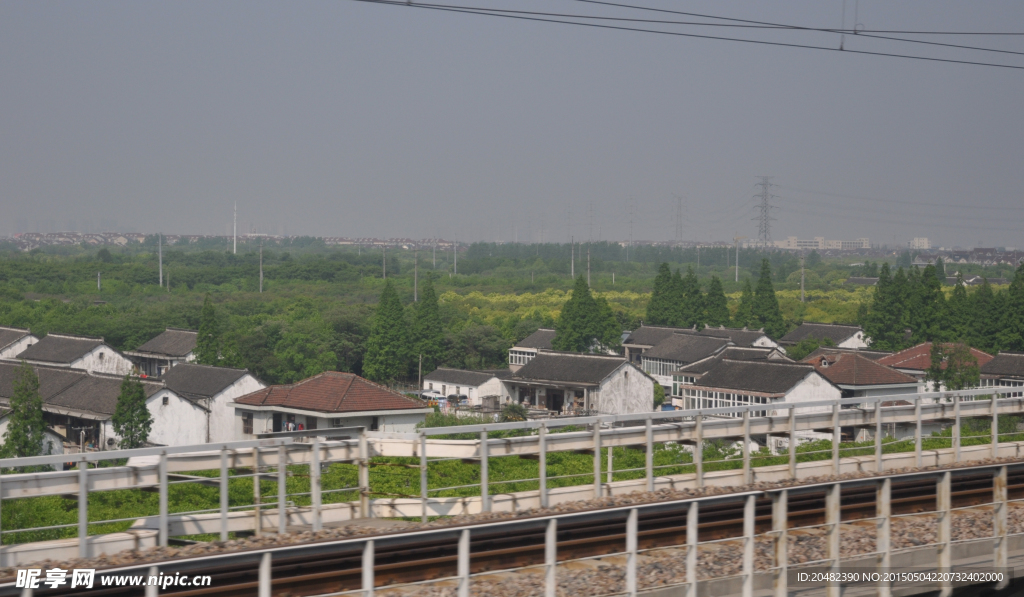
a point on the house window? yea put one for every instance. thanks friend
(247, 423)
(101, 356)
(375, 424)
(166, 400)
(336, 422)
(430, 386)
(310, 422)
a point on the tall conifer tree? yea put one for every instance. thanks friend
(716, 307)
(928, 306)
(585, 322)
(208, 340)
(1011, 336)
(427, 330)
(957, 322)
(986, 319)
(765, 308)
(659, 309)
(744, 313)
(387, 344)
(693, 301)
(132, 420)
(25, 425)
(677, 301)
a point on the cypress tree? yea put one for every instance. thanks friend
(879, 321)
(132, 420)
(716, 307)
(940, 270)
(744, 313)
(386, 346)
(958, 313)
(659, 309)
(985, 318)
(25, 425)
(427, 331)
(677, 301)
(208, 340)
(584, 321)
(928, 306)
(765, 307)
(693, 301)
(1011, 336)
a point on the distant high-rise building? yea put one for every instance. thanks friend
(920, 243)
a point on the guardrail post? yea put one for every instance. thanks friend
(748, 545)
(257, 494)
(747, 480)
(265, 586)
(282, 489)
(597, 459)
(698, 450)
(152, 590)
(956, 427)
(368, 565)
(995, 425)
(692, 539)
(1, 526)
(551, 558)
(364, 476)
(485, 486)
(611, 467)
(631, 548)
(879, 467)
(833, 518)
(542, 464)
(1000, 557)
(83, 507)
(463, 563)
(943, 502)
(649, 456)
(780, 525)
(314, 484)
(917, 432)
(792, 442)
(163, 530)
(837, 438)
(883, 535)
(223, 494)
(423, 473)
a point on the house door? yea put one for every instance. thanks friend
(277, 422)
(555, 400)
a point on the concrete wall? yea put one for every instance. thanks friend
(812, 388)
(177, 423)
(626, 391)
(104, 359)
(18, 347)
(222, 424)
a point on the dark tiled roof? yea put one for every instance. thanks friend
(567, 367)
(852, 369)
(919, 358)
(200, 381)
(57, 348)
(651, 335)
(1005, 364)
(52, 380)
(172, 343)
(766, 377)
(540, 339)
(466, 378)
(860, 281)
(332, 392)
(9, 336)
(686, 348)
(96, 393)
(832, 331)
(874, 355)
(735, 353)
(739, 337)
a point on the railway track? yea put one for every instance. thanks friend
(319, 568)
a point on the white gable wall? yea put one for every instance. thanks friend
(222, 423)
(177, 423)
(53, 443)
(812, 388)
(492, 387)
(625, 391)
(854, 341)
(104, 359)
(18, 347)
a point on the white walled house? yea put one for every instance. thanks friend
(472, 384)
(53, 442)
(645, 338)
(77, 352)
(741, 337)
(14, 341)
(215, 389)
(172, 347)
(730, 383)
(841, 336)
(527, 348)
(676, 351)
(330, 399)
(859, 377)
(573, 383)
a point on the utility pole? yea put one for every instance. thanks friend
(456, 256)
(737, 240)
(160, 255)
(588, 265)
(764, 217)
(419, 376)
(99, 282)
(416, 278)
(572, 258)
(234, 231)
(384, 252)
(435, 253)
(802, 278)
(261, 266)
(679, 219)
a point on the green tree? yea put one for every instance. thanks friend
(886, 319)
(677, 301)
(927, 306)
(807, 346)
(744, 312)
(132, 420)
(1011, 336)
(957, 322)
(905, 260)
(985, 318)
(659, 309)
(386, 346)
(692, 301)
(585, 322)
(513, 412)
(716, 307)
(659, 395)
(952, 366)
(208, 340)
(25, 425)
(813, 259)
(427, 329)
(940, 270)
(765, 308)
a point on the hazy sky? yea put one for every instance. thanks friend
(350, 119)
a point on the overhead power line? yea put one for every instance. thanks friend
(483, 12)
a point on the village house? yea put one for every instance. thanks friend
(916, 360)
(14, 341)
(77, 352)
(562, 382)
(527, 348)
(874, 355)
(860, 377)
(1005, 370)
(53, 442)
(688, 374)
(645, 338)
(330, 399)
(472, 384)
(840, 335)
(741, 337)
(676, 351)
(170, 348)
(730, 383)
(215, 389)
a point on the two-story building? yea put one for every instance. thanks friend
(527, 348)
(677, 351)
(172, 347)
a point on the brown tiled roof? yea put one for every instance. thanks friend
(919, 358)
(856, 370)
(331, 392)
(172, 342)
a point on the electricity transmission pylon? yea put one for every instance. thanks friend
(764, 208)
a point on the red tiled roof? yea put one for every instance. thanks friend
(856, 370)
(919, 358)
(332, 392)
